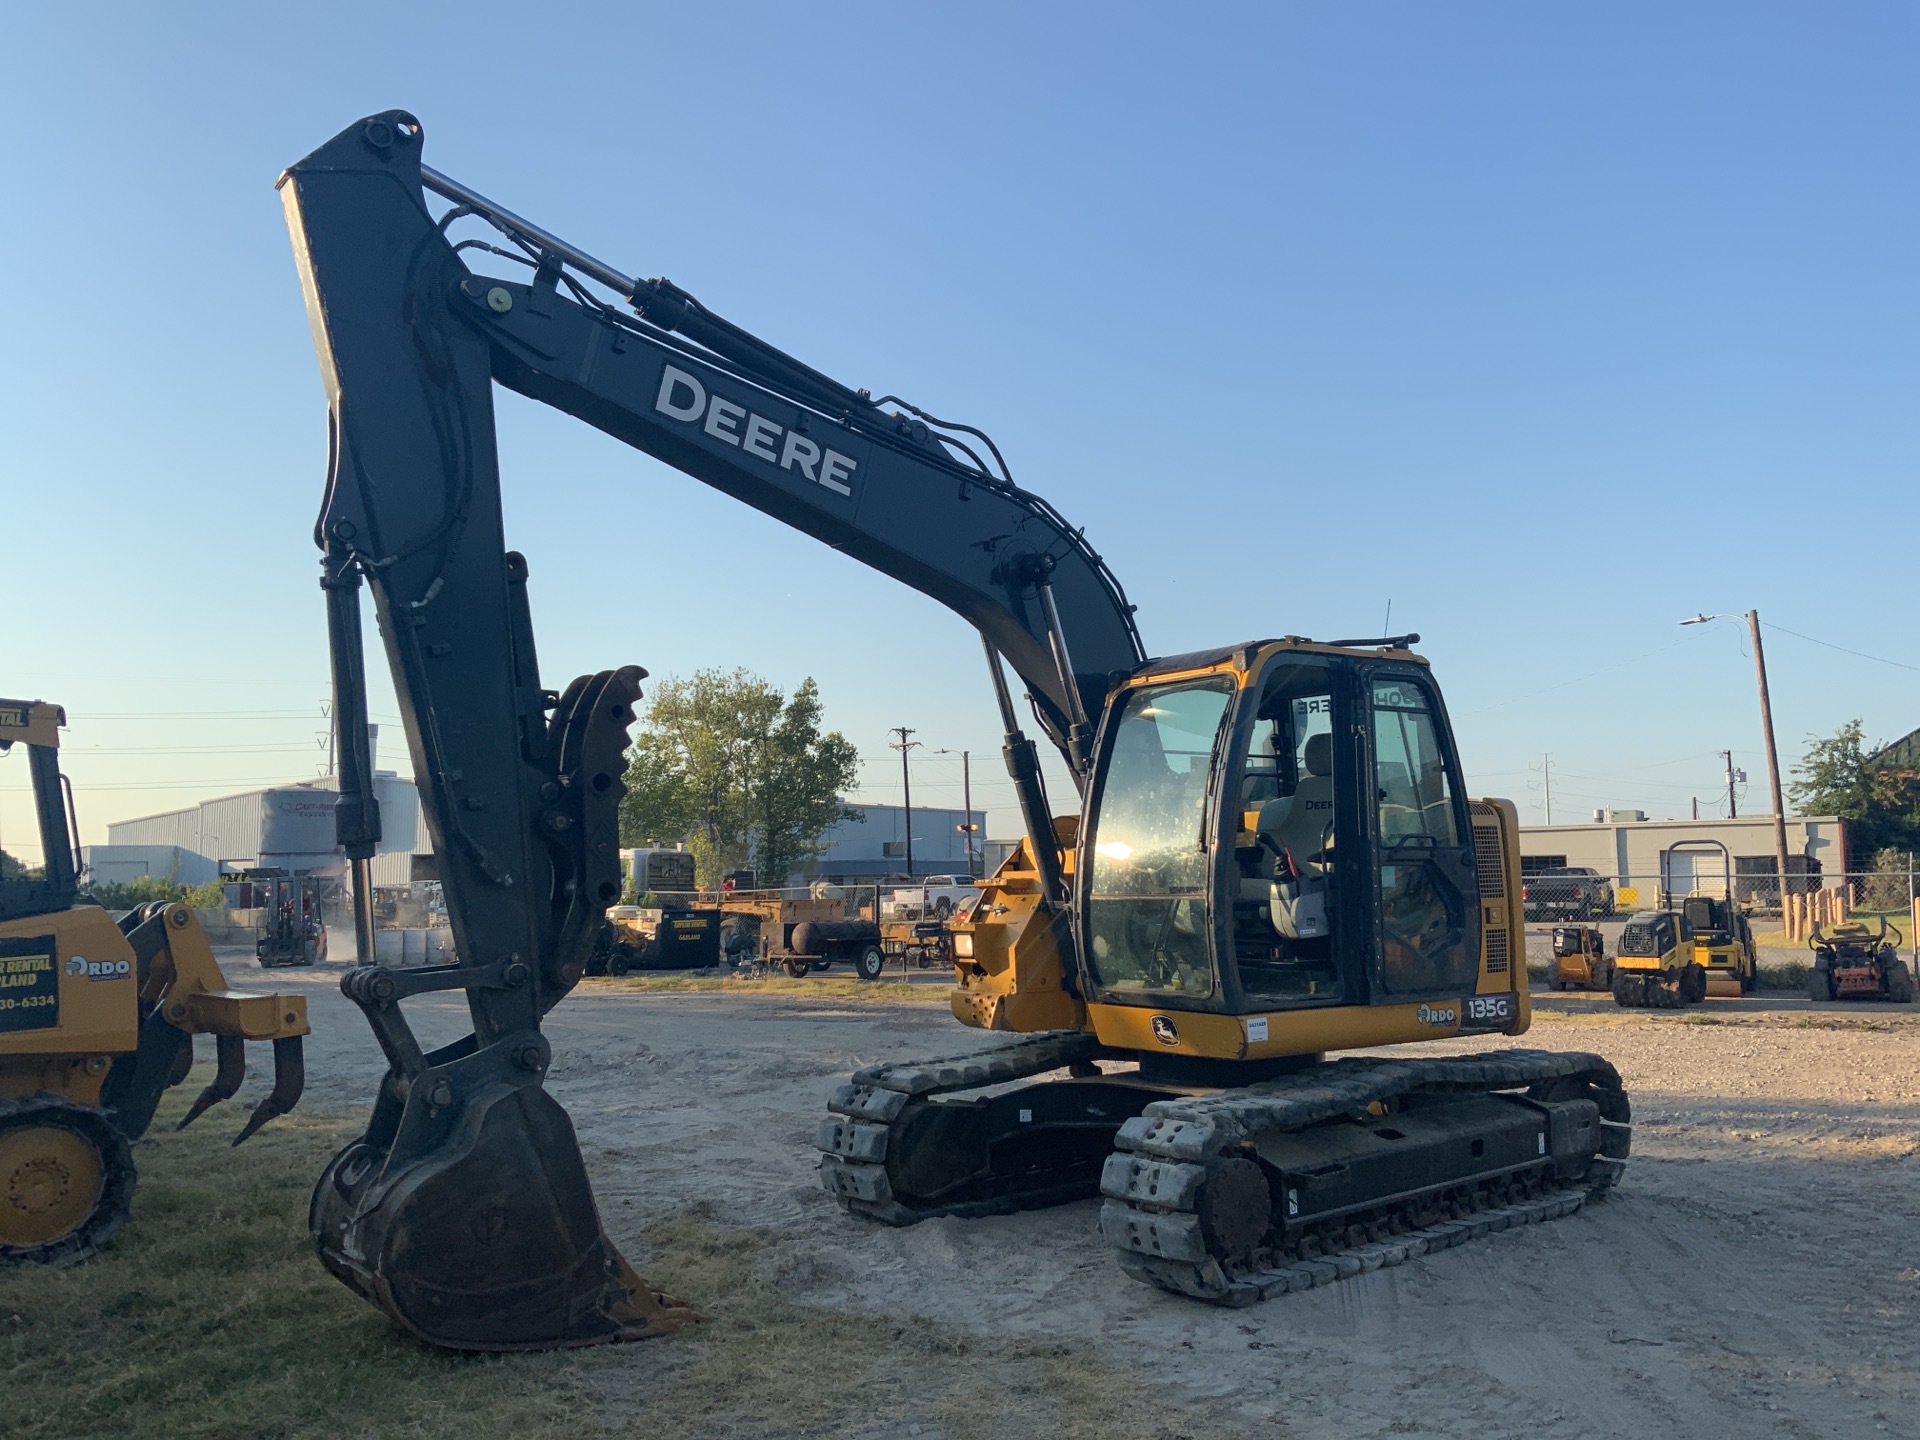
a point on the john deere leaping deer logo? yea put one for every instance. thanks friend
(1164, 1031)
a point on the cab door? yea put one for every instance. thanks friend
(1426, 891)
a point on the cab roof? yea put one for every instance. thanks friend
(1247, 655)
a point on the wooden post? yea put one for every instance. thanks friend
(1773, 758)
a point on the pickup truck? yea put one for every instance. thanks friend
(935, 897)
(1566, 892)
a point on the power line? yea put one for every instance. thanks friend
(1877, 659)
(68, 751)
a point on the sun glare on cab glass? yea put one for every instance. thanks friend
(1114, 849)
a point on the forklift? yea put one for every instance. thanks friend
(291, 930)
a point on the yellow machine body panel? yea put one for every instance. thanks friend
(1281, 1033)
(92, 989)
(66, 1008)
(31, 722)
(1008, 971)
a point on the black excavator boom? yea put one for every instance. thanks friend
(465, 1210)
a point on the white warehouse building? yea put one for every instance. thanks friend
(286, 826)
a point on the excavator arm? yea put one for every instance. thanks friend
(464, 1212)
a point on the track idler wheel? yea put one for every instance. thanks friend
(472, 1223)
(1235, 1206)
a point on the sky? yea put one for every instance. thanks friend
(1545, 326)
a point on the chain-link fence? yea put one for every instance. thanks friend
(1575, 893)
(1782, 927)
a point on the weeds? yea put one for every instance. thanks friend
(209, 1318)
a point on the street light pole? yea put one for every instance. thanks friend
(1752, 617)
(966, 799)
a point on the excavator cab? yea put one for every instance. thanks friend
(1280, 831)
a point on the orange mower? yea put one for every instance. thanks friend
(1852, 963)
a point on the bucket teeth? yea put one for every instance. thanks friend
(289, 1079)
(231, 1054)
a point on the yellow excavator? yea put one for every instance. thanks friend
(97, 1020)
(1274, 857)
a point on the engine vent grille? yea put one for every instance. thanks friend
(1486, 853)
(1496, 951)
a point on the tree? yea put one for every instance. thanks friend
(127, 894)
(738, 771)
(1881, 804)
(12, 869)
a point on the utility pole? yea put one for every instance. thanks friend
(966, 801)
(1546, 782)
(1752, 618)
(1732, 812)
(903, 745)
(966, 792)
(1773, 758)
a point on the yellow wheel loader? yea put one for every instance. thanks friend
(97, 1019)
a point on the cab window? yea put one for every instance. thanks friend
(1283, 894)
(1416, 802)
(1147, 887)
(1428, 894)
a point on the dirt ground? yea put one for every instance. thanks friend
(1756, 1274)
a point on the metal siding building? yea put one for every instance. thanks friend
(289, 826)
(874, 846)
(122, 864)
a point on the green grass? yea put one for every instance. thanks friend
(209, 1318)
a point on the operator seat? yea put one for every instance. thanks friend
(1303, 824)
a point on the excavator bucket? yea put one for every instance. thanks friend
(474, 1227)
